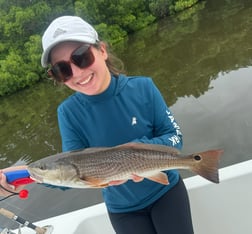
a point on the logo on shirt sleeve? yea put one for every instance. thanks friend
(134, 121)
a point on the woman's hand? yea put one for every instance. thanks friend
(8, 189)
(4, 185)
(134, 177)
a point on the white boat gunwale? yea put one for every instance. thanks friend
(216, 208)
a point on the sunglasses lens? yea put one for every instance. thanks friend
(61, 71)
(83, 56)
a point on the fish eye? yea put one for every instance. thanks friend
(42, 166)
(197, 157)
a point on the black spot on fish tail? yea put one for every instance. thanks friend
(206, 164)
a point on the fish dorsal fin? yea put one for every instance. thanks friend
(153, 147)
(90, 150)
(95, 149)
(131, 145)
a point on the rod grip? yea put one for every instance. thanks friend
(19, 177)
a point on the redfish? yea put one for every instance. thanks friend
(95, 167)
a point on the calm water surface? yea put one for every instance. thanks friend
(202, 62)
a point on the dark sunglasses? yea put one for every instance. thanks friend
(82, 57)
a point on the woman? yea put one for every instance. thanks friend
(109, 109)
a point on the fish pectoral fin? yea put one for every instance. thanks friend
(159, 177)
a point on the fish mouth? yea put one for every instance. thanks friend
(34, 176)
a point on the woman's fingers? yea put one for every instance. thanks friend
(4, 186)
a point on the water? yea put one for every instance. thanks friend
(202, 65)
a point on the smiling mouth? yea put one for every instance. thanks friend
(86, 81)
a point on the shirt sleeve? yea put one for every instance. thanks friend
(166, 130)
(69, 135)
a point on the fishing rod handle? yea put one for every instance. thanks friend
(19, 177)
(22, 221)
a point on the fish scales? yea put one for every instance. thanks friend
(115, 165)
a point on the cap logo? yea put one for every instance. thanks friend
(58, 32)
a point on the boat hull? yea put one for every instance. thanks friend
(216, 208)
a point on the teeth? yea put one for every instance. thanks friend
(87, 80)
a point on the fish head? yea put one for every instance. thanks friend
(55, 172)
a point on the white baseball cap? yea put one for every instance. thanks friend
(66, 28)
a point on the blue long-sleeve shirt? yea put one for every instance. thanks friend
(130, 109)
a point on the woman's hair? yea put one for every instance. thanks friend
(114, 64)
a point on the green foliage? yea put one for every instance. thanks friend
(160, 8)
(18, 70)
(189, 13)
(181, 5)
(117, 17)
(112, 32)
(21, 27)
(23, 22)
(11, 69)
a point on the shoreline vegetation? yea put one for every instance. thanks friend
(23, 22)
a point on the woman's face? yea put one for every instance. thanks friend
(91, 80)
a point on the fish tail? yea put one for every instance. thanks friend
(206, 164)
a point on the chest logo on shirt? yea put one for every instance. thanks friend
(134, 121)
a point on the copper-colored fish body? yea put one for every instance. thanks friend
(96, 167)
